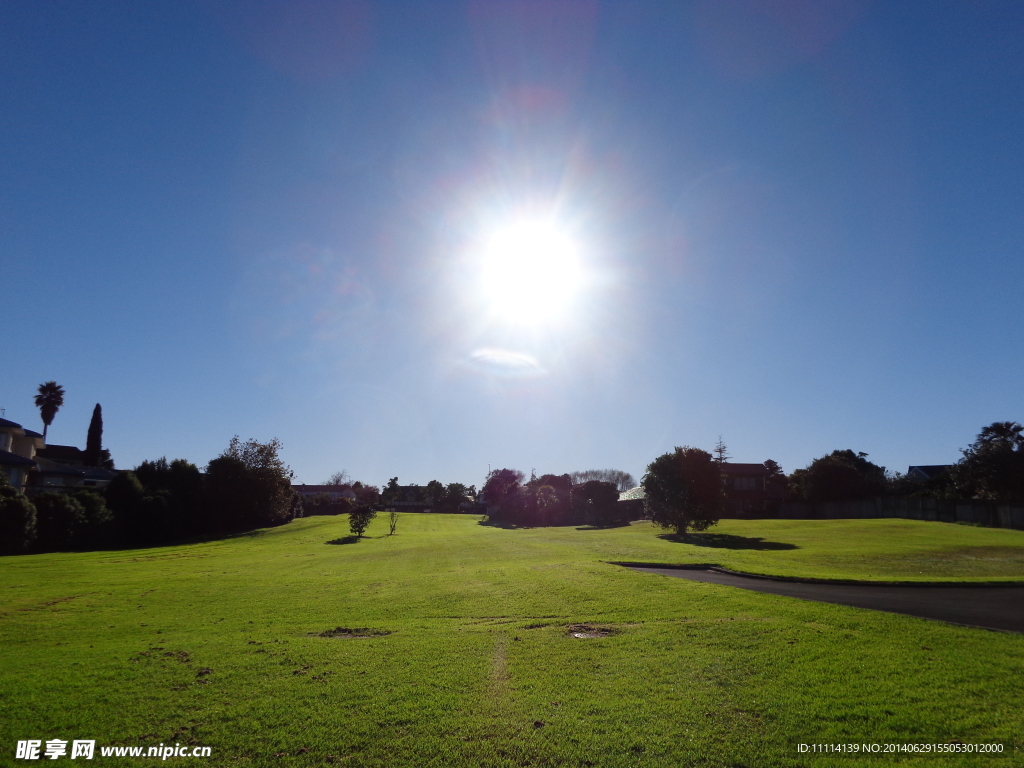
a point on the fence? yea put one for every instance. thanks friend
(979, 512)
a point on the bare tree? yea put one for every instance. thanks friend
(338, 478)
(623, 480)
(393, 522)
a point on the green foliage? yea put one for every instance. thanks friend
(359, 519)
(993, 467)
(839, 476)
(17, 520)
(97, 529)
(391, 492)
(684, 490)
(452, 497)
(249, 486)
(600, 501)
(59, 519)
(434, 491)
(125, 499)
(94, 439)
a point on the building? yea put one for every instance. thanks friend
(332, 491)
(32, 466)
(18, 448)
(749, 490)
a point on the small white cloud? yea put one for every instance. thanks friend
(503, 363)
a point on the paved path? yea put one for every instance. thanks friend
(981, 606)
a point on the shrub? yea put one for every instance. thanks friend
(17, 520)
(60, 520)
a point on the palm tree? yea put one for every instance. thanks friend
(49, 400)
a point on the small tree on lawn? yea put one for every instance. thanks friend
(393, 522)
(683, 490)
(359, 518)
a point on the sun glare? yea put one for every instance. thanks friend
(531, 271)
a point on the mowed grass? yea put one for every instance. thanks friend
(862, 550)
(218, 644)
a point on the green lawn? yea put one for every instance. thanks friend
(219, 644)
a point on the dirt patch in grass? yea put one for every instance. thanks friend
(354, 633)
(590, 631)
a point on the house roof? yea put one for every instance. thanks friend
(632, 494)
(743, 469)
(929, 471)
(9, 424)
(31, 433)
(64, 453)
(8, 459)
(333, 490)
(50, 467)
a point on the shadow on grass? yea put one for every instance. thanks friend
(602, 526)
(344, 540)
(506, 526)
(726, 541)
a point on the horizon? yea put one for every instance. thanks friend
(416, 240)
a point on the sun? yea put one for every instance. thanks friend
(531, 271)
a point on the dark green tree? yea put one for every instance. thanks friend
(992, 468)
(249, 486)
(684, 491)
(97, 530)
(453, 496)
(17, 520)
(49, 400)
(392, 492)
(839, 476)
(60, 520)
(126, 500)
(601, 501)
(94, 438)
(359, 519)
(434, 491)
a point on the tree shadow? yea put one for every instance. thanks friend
(601, 526)
(344, 540)
(506, 526)
(726, 541)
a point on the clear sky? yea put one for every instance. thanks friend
(416, 238)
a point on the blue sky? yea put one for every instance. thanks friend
(798, 225)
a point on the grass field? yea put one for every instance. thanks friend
(219, 644)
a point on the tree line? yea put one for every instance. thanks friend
(555, 499)
(248, 486)
(685, 490)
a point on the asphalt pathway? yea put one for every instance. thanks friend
(989, 607)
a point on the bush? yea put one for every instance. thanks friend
(126, 501)
(98, 526)
(248, 486)
(60, 520)
(17, 520)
